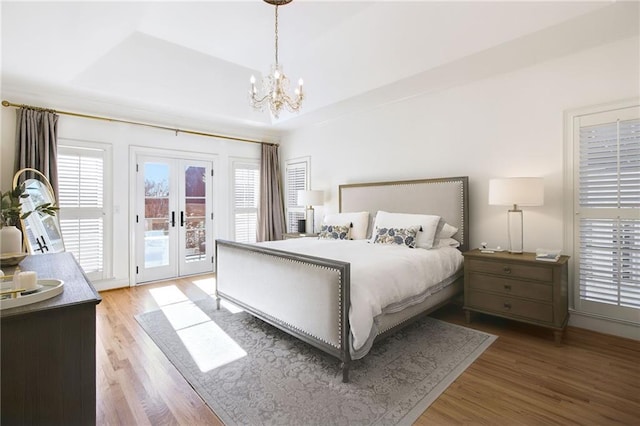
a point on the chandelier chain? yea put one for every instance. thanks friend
(276, 35)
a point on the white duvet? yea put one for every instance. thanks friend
(384, 278)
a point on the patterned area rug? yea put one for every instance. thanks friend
(251, 373)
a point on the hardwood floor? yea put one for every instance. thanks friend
(523, 378)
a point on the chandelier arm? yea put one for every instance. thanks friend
(260, 101)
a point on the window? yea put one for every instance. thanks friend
(607, 220)
(81, 192)
(246, 198)
(296, 179)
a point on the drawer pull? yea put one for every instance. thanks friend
(506, 270)
(507, 287)
(507, 305)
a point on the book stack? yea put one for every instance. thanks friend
(547, 255)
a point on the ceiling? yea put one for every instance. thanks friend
(190, 62)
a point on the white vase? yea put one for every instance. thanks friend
(10, 240)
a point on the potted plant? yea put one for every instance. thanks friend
(10, 215)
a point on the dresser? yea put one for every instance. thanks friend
(48, 351)
(518, 287)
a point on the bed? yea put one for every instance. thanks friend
(304, 286)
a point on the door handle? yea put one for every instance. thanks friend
(181, 218)
(44, 244)
(173, 219)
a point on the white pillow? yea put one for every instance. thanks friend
(448, 242)
(447, 231)
(428, 223)
(360, 221)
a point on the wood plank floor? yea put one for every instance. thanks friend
(523, 378)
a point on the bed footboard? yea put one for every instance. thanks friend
(305, 296)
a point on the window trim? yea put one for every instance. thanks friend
(571, 217)
(307, 185)
(232, 214)
(107, 178)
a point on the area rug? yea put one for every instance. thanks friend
(250, 373)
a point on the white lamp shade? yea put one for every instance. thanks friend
(521, 191)
(310, 198)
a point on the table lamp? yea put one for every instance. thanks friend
(309, 199)
(516, 192)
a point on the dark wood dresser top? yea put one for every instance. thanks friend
(62, 266)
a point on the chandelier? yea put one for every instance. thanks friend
(275, 85)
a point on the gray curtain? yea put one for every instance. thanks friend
(37, 142)
(271, 224)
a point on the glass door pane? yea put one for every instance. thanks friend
(156, 236)
(156, 215)
(196, 235)
(195, 213)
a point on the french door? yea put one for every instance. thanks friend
(174, 218)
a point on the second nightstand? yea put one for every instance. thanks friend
(290, 235)
(518, 287)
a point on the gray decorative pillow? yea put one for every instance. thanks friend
(400, 236)
(334, 232)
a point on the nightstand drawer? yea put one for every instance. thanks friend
(511, 287)
(511, 270)
(511, 307)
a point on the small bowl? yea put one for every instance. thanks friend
(11, 259)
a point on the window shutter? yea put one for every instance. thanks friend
(610, 261)
(610, 165)
(246, 192)
(609, 225)
(81, 201)
(297, 173)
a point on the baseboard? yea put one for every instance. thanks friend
(104, 285)
(602, 325)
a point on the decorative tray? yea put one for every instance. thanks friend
(11, 259)
(46, 289)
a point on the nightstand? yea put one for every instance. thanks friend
(518, 287)
(289, 235)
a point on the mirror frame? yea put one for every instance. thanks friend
(59, 245)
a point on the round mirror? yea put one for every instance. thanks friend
(41, 231)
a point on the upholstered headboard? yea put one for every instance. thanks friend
(445, 197)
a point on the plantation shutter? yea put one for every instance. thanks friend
(81, 195)
(246, 190)
(608, 208)
(297, 172)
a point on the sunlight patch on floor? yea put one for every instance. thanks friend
(230, 307)
(167, 295)
(208, 285)
(209, 346)
(184, 314)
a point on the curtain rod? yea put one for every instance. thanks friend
(137, 123)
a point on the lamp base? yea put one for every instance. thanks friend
(310, 228)
(514, 223)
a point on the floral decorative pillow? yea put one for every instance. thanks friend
(359, 221)
(334, 232)
(427, 225)
(400, 236)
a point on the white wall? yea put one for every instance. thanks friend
(507, 125)
(122, 137)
